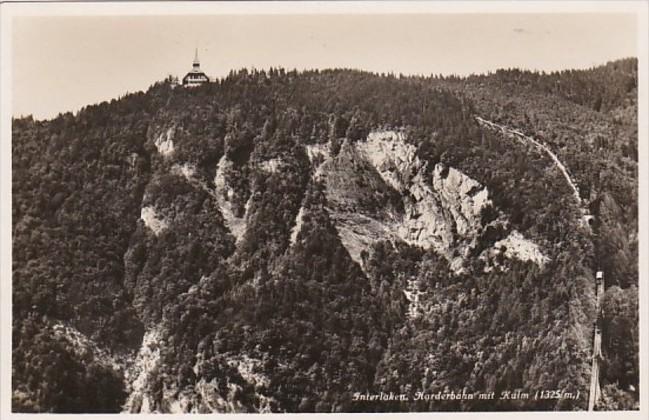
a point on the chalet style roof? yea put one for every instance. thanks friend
(195, 77)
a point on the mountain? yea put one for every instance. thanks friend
(282, 241)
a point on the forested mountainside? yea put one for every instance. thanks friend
(287, 242)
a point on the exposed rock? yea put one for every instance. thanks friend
(86, 348)
(516, 246)
(249, 369)
(211, 400)
(391, 156)
(223, 195)
(359, 201)
(151, 219)
(181, 404)
(272, 165)
(164, 143)
(465, 196)
(427, 203)
(413, 295)
(202, 397)
(359, 232)
(138, 375)
(206, 395)
(318, 154)
(186, 170)
(317, 151)
(298, 225)
(442, 211)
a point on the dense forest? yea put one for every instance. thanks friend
(195, 250)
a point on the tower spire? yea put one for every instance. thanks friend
(196, 62)
(195, 77)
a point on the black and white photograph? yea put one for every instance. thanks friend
(324, 207)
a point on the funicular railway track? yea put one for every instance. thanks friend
(594, 392)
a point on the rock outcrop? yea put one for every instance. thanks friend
(138, 375)
(207, 395)
(224, 194)
(379, 189)
(165, 143)
(152, 220)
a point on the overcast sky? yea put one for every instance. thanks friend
(63, 63)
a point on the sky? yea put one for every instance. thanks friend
(63, 63)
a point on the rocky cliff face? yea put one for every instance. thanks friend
(224, 195)
(379, 189)
(138, 376)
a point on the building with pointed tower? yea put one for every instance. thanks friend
(195, 77)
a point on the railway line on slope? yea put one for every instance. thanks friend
(594, 393)
(524, 138)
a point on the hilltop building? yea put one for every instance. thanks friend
(195, 77)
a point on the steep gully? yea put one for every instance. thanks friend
(594, 390)
(138, 370)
